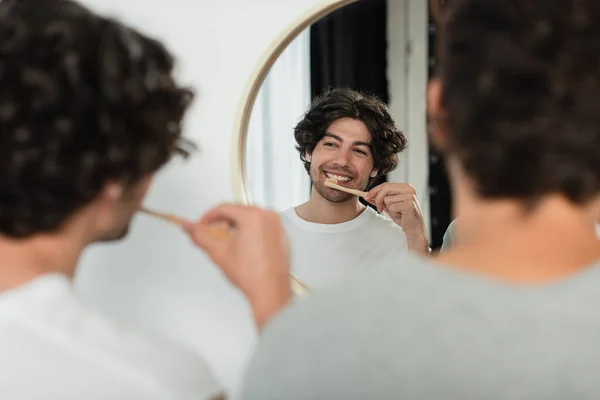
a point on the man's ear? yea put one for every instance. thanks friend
(111, 195)
(113, 191)
(374, 173)
(437, 115)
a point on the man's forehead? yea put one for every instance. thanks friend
(348, 129)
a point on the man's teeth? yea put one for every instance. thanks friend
(338, 177)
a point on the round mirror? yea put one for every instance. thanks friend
(380, 52)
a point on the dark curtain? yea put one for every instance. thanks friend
(440, 197)
(348, 48)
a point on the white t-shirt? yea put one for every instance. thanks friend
(322, 254)
(54, 348)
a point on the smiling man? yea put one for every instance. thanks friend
(352, 138)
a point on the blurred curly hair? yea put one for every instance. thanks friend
(85, 100)
(521, 84)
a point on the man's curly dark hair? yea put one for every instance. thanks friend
(521, 84)
(387, 140)
(85, 100)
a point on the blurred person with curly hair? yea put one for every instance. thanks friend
(350, 137)
(89, 111)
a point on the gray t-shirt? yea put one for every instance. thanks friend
(422, 331)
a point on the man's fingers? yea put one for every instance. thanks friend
(400, 208)
(188, 226)
(403, 188)
(388, 188)
(399, 203)
(213, 241)
(231, 215)
(222, 212)
(397, 198)
(373, 192)
(409, 188)
(393, 188)
(403, 207)
(379, 200)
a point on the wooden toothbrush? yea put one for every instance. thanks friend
(165, 217)
(298, 287)
(332, 183)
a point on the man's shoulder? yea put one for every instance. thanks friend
(374, 284)
(63, 324)
(370, 292)
(177, 369)
(343, 320)
(289, 220)
(287, 213)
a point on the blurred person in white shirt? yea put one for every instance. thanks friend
(89, 111)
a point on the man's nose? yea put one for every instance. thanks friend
(343, 157)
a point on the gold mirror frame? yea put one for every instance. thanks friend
(240, 130)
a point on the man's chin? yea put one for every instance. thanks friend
(115, 236)
(340, 199)
(334, 195)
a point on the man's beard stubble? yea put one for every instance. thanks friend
(329, 194)
(115, 235)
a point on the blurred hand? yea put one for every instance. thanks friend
(400, 201)
(252, 249)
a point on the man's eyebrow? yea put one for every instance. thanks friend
(333, 136)
(362, 144)
(339, 139)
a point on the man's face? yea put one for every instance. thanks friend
(343, 154)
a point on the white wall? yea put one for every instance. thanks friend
(407, 77)
(155, 279)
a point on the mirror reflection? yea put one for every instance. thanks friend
(341, 105)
